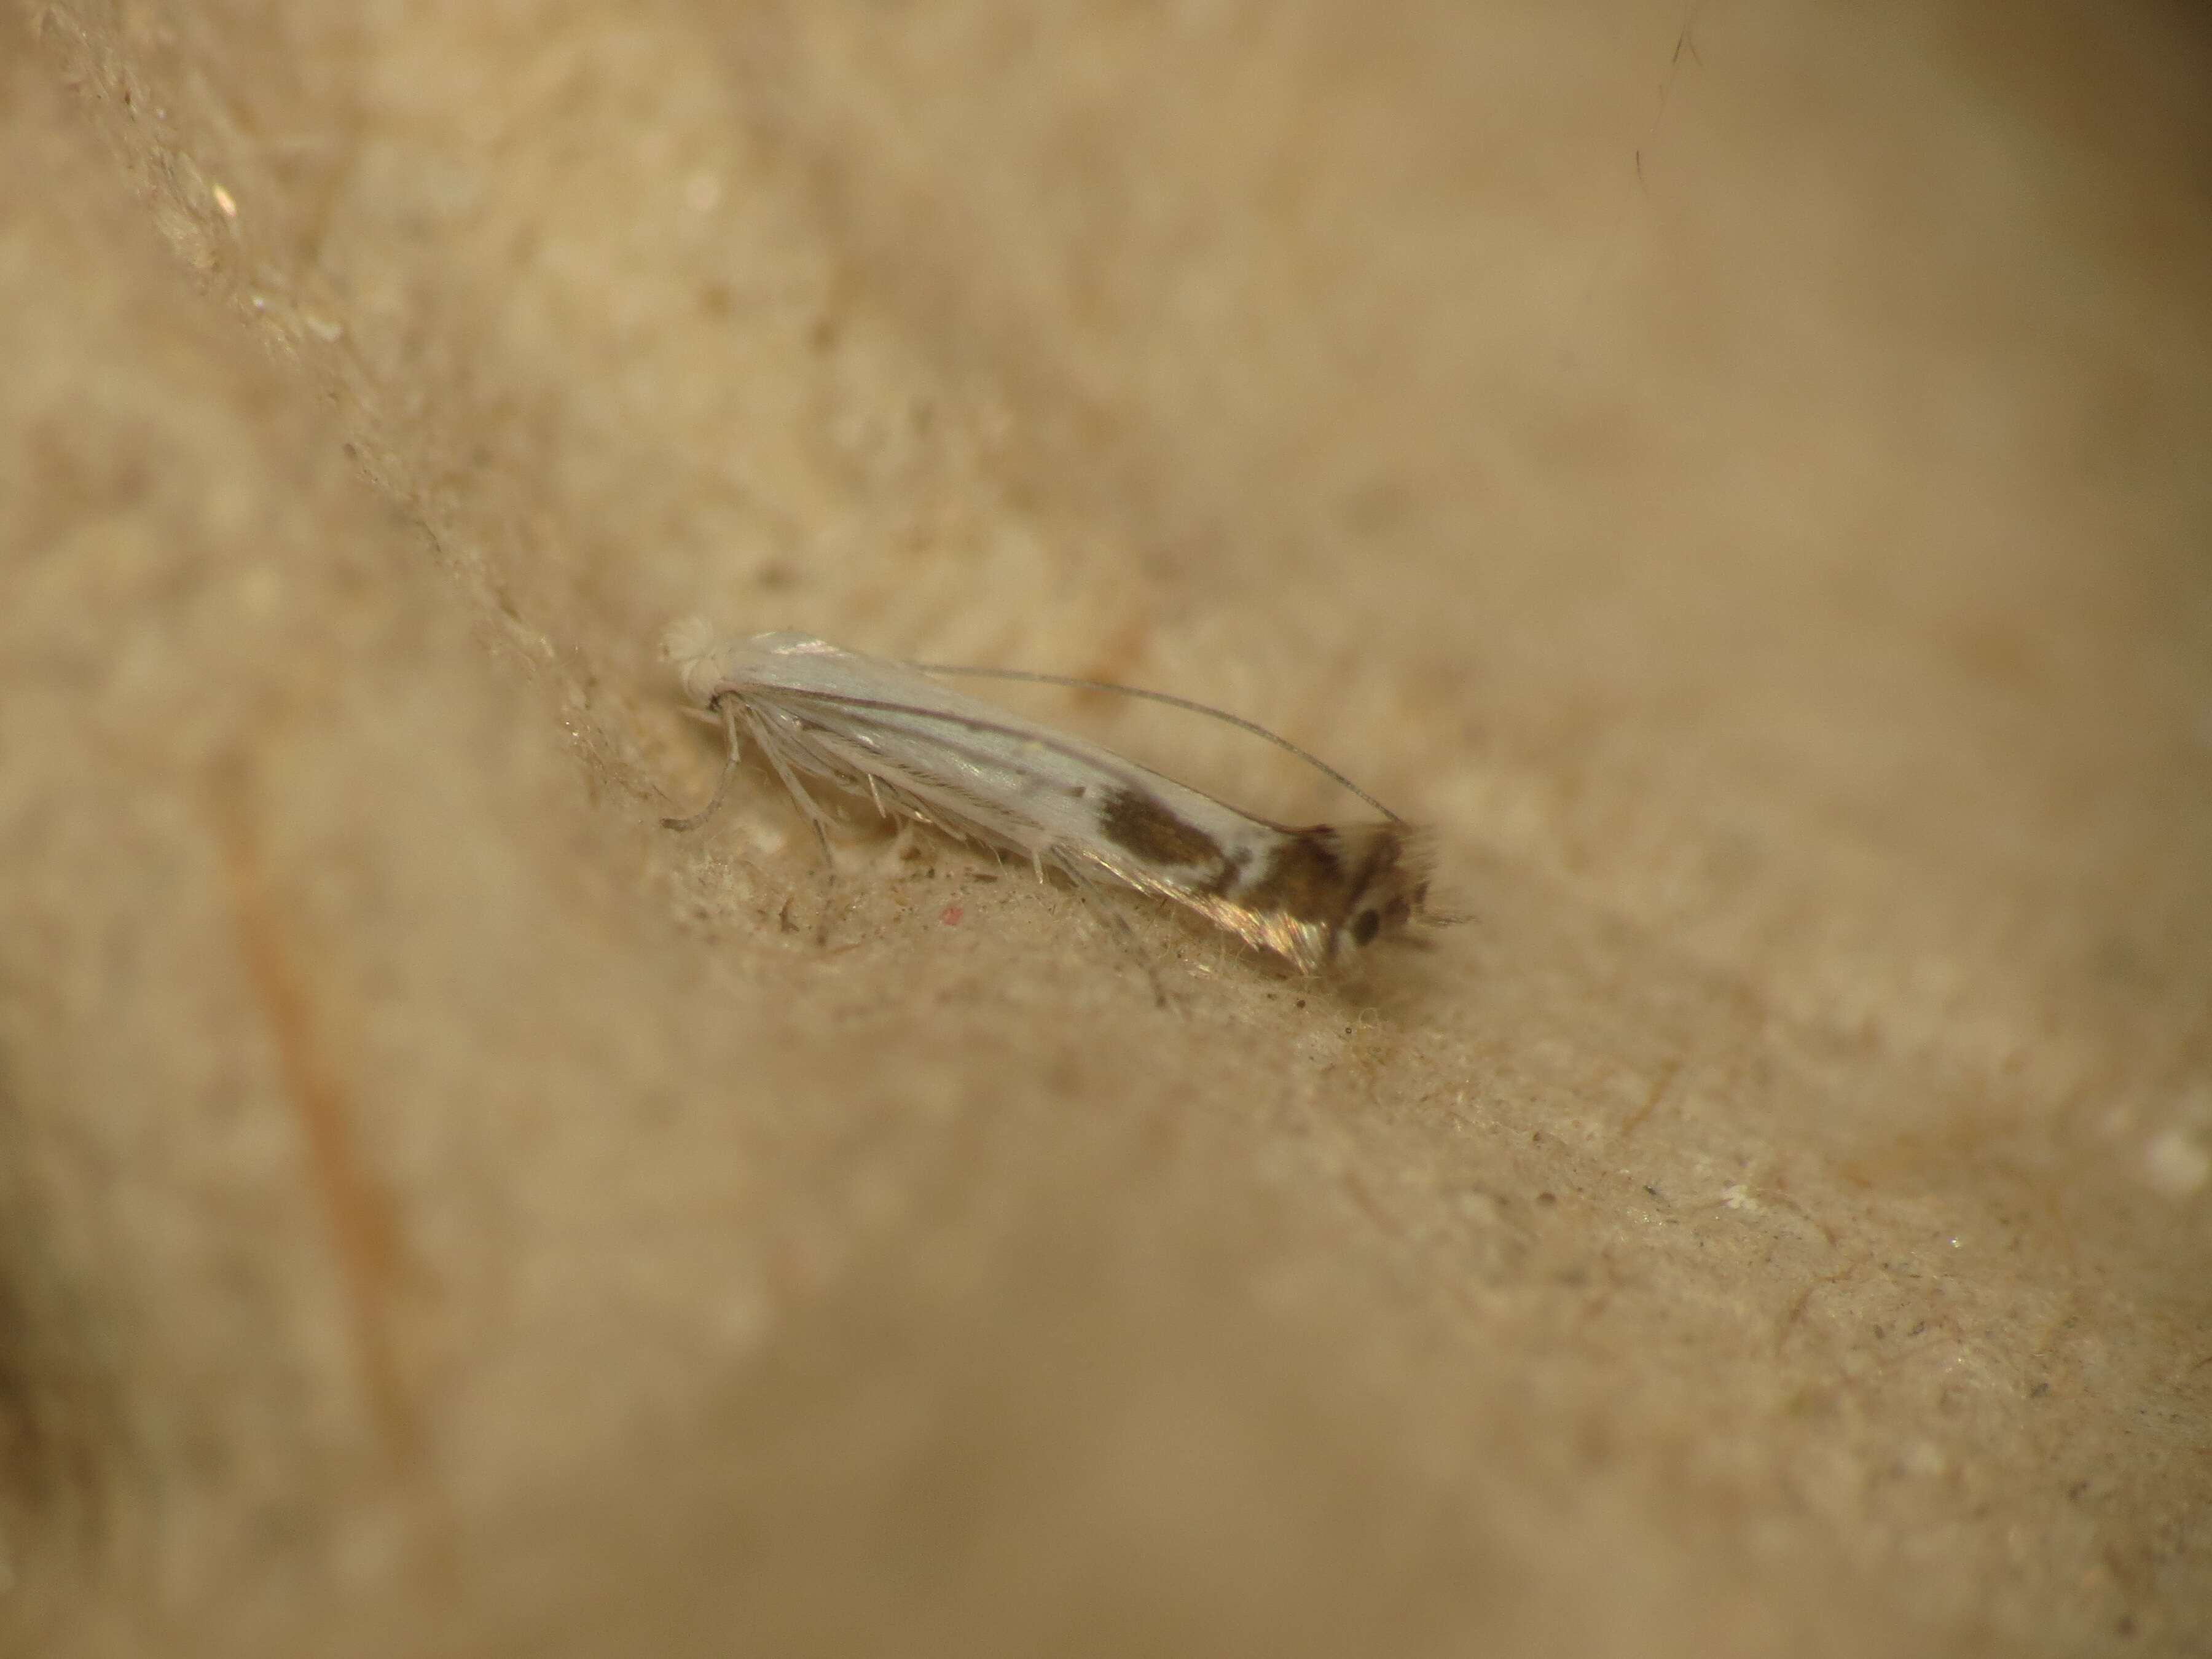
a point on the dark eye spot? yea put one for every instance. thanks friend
(1364, 926)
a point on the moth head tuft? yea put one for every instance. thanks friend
(689, 645)
(686, 640)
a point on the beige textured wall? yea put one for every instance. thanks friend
(1738, 472)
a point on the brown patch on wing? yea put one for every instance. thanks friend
(1305, 879)
(1230, 877)
(1152, 833)
(1366, 881)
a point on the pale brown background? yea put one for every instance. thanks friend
(1741, 472)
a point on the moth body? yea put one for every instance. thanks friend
(915, 745)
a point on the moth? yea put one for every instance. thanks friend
(895, 733)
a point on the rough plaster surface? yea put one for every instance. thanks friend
(1740, 474)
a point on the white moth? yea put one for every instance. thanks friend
(890, 732)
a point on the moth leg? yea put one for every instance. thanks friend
(814, 816)
(1102, 902)
(727, 706)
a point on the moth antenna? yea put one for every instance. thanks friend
(1189, 705)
